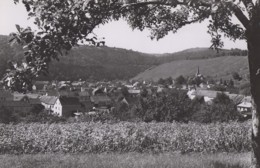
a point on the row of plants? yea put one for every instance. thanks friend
(93, 137)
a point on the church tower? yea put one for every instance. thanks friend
(198, 72)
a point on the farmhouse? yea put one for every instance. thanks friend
(66, 106)
(208, 95)
(245, 107)
(48, 102)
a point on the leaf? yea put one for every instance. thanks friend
(27, 30)
(18, 28)
(27, 6)
(31, 14)
(37, 22)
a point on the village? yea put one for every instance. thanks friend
(73, 99)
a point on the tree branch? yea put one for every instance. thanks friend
(249, 6)
(241, 17)
(150, 3)
(171, 3)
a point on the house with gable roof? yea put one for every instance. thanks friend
(48, 102)
(245, 107)
(66, 106)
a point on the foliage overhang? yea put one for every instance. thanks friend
(62, 24)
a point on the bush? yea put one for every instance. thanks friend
(222, 109)
(124, 137)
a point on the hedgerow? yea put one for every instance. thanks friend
(124, 137)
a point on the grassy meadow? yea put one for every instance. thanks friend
(127, 160)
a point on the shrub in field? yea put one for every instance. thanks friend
(124, 137)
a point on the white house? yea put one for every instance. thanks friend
(208, 95)
(66, 106)
(48, 102)
(245, 107)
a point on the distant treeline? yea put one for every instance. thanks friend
(201, 53)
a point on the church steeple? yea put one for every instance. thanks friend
(198, 71)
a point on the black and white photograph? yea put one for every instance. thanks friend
(129, 83)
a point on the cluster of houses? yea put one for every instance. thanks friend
(64, 98)
(242, 102)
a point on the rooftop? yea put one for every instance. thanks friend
(68, 101)
(48, 99)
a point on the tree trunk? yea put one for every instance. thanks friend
(253, 40)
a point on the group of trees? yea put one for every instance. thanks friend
(166, 81)
(180, 80)
(175, 105)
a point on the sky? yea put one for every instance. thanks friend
(119, 34)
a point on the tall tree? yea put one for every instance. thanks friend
(63, 23)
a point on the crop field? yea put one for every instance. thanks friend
(124, 137)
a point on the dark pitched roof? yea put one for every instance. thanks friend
(68, 101)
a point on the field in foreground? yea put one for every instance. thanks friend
(127, 160)
(125, 137)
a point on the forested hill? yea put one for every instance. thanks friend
(199, 53)
(101, 63)
(87, 62)
(108, 63)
